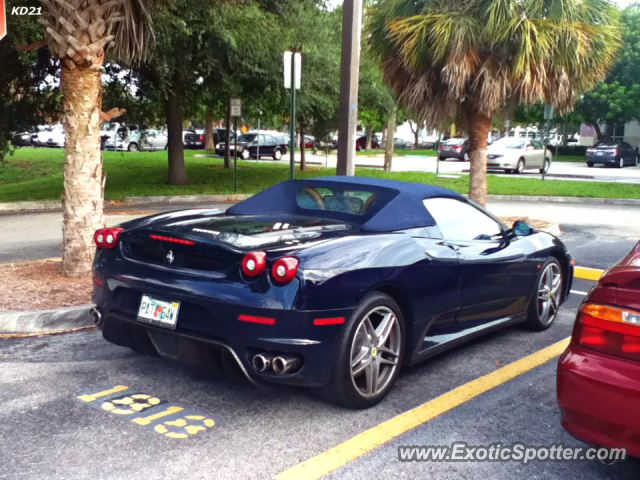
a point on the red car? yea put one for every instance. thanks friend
(599, 374)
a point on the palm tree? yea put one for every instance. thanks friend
(466, 60)
(81, 33)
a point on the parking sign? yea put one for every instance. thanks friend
(3, 21)
(236, 107)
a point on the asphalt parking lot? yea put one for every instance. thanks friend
(162, 420)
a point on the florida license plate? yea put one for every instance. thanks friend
(158, 312)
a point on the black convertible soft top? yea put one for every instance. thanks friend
(398, 206)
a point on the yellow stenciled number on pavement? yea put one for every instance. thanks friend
(183, 427)
(130, 404)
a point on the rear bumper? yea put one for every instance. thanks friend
(599, 398)
(448, 154)
(206, 327)
(602, 160)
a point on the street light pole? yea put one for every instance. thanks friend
(349, 79)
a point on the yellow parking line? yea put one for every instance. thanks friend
(588, 273)
(338, 456)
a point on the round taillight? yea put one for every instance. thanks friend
(107, 237)
(254, 263)
(285, 269)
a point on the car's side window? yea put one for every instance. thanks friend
(458, 220)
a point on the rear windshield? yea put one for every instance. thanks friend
(356, 202)
(606, 145)
(455, 141)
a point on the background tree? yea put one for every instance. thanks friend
(617, 99)
(27, 98)
(445, 58)
(80, 33)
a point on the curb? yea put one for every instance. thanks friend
(184, 199)
(45, 321)
(570, 200)
(55, 206)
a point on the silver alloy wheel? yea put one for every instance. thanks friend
(246, 154)
(375, 351)
(621, 162)
(520, 167)
(466, 157)
(277, 154)
(133, 147)
(549, 293)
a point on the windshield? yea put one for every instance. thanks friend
(250, 138)
(509, 143)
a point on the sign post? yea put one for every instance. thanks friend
(549, 114)
(236, 112)
(3, 20)
(292, 81)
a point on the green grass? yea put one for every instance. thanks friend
(36, 174)
(571, 158)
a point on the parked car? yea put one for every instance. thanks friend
(194, 139)
(599, 373)
(322, 283)
(515, 155)
(457, 148)
(361, 142)
(22, 139)
(401, 143)
(427, 143)
(251, 143)
(49, 136)
(138, 140)
(617, 154)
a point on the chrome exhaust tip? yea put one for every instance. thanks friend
(262, 361)
(96, 316)
(285, 363)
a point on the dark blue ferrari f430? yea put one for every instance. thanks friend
(332, 283)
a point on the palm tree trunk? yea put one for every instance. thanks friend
(209, 144)
(479, 129)
(83, 197)
(390, 140)
(177, 167)
(369, 131)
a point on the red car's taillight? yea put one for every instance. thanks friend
(202, 138)
(107, 237)
(254, 264)
(607, 329)
(284, 269)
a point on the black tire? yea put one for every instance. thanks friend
(277, 154)
(545, 166)
(341, 389)
(520, 168)
(133, 147)
(534, 321)
(590, 164)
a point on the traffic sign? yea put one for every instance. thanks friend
(3, 20)
(292, 68)
(236, 107)
(549, 112)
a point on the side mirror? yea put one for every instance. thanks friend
(522, 229)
